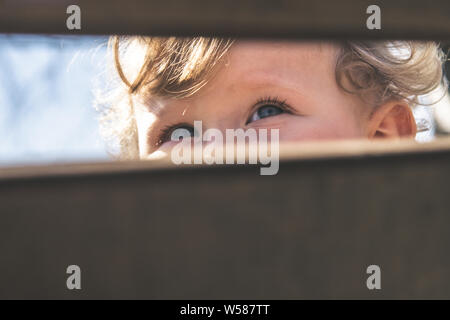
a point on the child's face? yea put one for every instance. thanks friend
(289, 86)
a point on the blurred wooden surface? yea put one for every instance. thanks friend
(147, 230)
(404, 19)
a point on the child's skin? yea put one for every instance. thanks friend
(302, 75)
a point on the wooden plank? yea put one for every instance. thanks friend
(226, 232)
(404, 19)
(288, 151)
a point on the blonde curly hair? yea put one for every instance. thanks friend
(172, 67)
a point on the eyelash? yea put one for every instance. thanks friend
(270, 101)
(166, 132)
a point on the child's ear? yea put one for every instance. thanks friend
(394, 119)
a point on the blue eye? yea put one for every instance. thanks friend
(182, 131)
(176, 132)
(264, 112)
(189, 129)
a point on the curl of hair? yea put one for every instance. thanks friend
(383, 71)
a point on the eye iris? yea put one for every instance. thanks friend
(268, 111)
(179, 132)
(191, 131)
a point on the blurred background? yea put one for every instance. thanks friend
(46, 100)
(46, 95)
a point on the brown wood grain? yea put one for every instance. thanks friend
(147, 230)
(402, 19)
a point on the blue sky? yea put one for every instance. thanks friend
(46, 112)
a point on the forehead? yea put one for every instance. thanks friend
(302, 66)
(248, 49)
(253, 64)
(280, 56)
